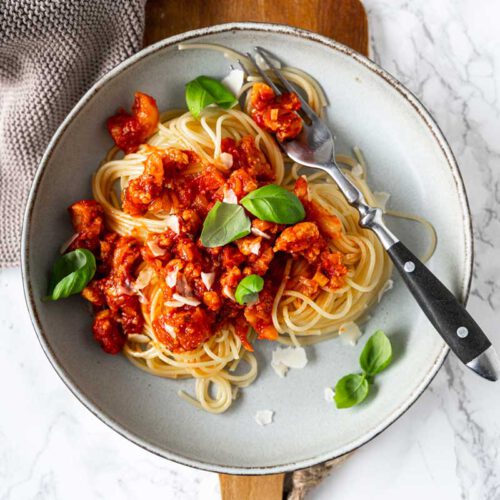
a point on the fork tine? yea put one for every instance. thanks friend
(262, 73)
(308, 111)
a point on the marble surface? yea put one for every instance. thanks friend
(446, 446)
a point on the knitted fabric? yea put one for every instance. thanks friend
(51, 52)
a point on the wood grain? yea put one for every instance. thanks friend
(342, 20)
(251, 487)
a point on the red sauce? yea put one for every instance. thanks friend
(180, 259)
(130, 130)
(275, 114)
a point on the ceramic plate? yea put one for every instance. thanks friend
(407, 156)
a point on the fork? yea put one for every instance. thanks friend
(315, 147)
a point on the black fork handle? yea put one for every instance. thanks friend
(449, 317)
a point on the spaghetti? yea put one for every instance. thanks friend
(309, 297)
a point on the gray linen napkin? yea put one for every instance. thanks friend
(51, 51)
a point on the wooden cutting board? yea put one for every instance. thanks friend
(342, 20)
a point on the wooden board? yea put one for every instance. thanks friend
(251, 487)
(342, 20)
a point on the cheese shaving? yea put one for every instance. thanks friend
(255, 247)
(208, 280)
(258, 232)
(183, 287)
(264, 417)
(143, 279)
(228, 293)
(171, 330)
(226, 159)
(156, 250)
(329, 394)
(230, 197)
(279, 368)
(234, 80)
(173, 303)
(288, 357)
(123, 290)
(172, 222)
(189, 301)
(349, 333)
(171, 278)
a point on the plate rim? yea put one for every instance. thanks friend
(275, 28)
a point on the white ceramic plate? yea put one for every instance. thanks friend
(407, 156)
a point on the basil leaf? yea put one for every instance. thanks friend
(274, 204)
(203, 91)
(351, 390)
(377, 353)
(224, 223)
(71, 273)
(247, 291)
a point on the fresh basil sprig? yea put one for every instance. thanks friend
(203, 91)
(71, 273)
(274, 204)
(224, 223)
(377, 354)
(351, 390)
(375, 357)
(247, 291)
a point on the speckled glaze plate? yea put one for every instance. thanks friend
(407, 156)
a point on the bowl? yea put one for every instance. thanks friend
(407, 156)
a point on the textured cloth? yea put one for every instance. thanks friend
(298, 484)
(51, 52)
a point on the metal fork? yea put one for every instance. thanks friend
(315, 148)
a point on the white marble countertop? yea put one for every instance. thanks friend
(446, 446)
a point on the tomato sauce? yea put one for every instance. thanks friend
(276, 114)
(198, 283)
